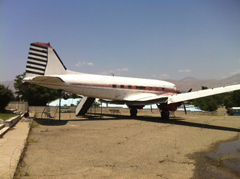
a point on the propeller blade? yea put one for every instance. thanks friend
(184, 108)
(190, 90)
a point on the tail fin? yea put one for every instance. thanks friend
(43, 60)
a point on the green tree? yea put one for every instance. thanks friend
(35, 95)
(6, 95)
(211, 103)
(231, 100)
(95, 104)
(20, 87)
(207, 103)
(74, 96)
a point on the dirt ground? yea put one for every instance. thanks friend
(123, 147)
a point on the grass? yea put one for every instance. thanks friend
(6, 116)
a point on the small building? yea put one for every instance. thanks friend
(236, 111)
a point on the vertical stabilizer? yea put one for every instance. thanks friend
(43, 60)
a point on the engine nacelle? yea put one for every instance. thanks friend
(169, 107)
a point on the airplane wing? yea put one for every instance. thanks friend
(148, 98)
(141, 99)
(203, 93)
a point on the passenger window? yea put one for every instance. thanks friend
(140, 87)
(114, 86)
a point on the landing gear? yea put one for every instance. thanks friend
(165, 114)
(133, 112)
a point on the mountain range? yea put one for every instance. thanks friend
(196, 84)
(183, 85)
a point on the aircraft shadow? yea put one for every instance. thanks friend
(175, 121)
(46, 122)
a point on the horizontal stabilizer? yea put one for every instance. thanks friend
(199, 94)
(45, 79)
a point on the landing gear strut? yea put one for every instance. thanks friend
(133, 112)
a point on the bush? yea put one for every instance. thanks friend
(6, 95)
(35, 95)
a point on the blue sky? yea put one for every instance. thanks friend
(148, 39)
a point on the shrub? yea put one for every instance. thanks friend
(6, 95)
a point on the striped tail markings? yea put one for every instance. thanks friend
(37, 59)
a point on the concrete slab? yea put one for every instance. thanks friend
(11, 147)
(123, 147)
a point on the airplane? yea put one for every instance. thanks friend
(45, 68)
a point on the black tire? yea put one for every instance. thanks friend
(133, 112)
(165, 114)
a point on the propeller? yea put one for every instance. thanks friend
(184, 108)
(184, 102)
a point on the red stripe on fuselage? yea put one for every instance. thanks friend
(152, 89)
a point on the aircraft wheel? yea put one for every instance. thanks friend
(165, 114)
(133, 112)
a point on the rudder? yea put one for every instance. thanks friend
(43, 60)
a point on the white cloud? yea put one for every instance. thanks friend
(164, 76)
(114, 72)
(123, 69)
(84, 63)
(78, 64)
(90, 64)
(184, 71)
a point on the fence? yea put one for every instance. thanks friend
(23, 106)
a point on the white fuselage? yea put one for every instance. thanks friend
(110, 87)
